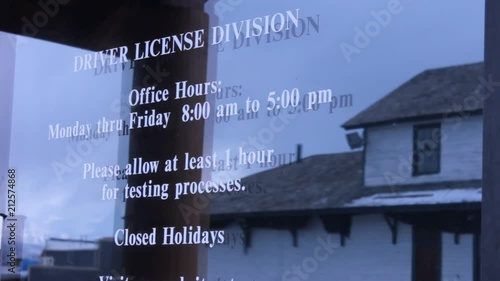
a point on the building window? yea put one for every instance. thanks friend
(426, 149)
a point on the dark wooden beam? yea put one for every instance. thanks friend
(490, 233)
(392, 222)
(129, 24)
(88, 24)
(338, 224)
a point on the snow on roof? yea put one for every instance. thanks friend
(429, 197)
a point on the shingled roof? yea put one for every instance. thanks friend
(329, 182)
(429, 94)
(317, 182)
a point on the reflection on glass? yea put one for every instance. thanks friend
(237, 140)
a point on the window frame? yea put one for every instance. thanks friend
(415, 167)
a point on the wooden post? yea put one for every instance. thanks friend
(490, 228)
(167, 262)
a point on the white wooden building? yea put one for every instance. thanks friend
(407, 207)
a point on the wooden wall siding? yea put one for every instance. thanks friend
(368, 254)
(457, 258)
(389, 152)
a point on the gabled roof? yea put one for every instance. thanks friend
(429, 94)
(317, 182)
(334, 182)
